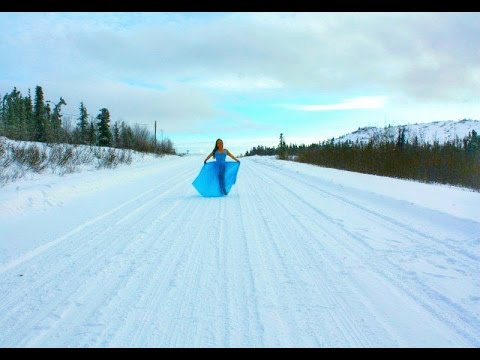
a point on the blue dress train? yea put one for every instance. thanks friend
(217, 178)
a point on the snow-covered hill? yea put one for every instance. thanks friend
(295, 256)
(440, 131)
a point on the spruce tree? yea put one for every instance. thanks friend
(472, 143)
(282, 148)
(14, 115)
(82, 124)
(126, 136)
(29, 117)
(21, 117)
(401, 138)
(57, 119)
(39, 115)
(92, 134)
(47, 124)
(104, 133)
(9, 114)
(116, 135)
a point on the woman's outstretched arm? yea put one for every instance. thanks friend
(233, 157)
(208, 157)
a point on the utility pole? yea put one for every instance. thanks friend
(155, 133)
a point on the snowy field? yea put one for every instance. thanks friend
(295, 256)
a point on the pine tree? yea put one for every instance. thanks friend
(472, 143)
(21, 117)
(401, 138)
(104, 133)
(126, 136)
(39, 115)
(116, 135)
(282, 148)
(47, 125)
(91, 134)
(29, 117)
(11, 119)
(82, 124)
(15, 115)
(57, 119)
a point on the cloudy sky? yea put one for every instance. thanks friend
(246, 77)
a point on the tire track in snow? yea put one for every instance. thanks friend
(453, 310)
(97, 295)
(183, 322)
(49, 292)
(151, 302)
(105, 217)
(88, 237)
(254, 331)
(281, 302)
(237, 293)
(267, 269)
(365, 252)
(324, 265)
(308, 288)
(384, 220)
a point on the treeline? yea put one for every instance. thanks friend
(261, 150)
(282, 151)
(34, 119)
(455, 162)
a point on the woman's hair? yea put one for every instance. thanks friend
(215, 148)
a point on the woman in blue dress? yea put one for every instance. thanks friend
(217, 178)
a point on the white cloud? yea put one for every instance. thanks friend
(240, 83)
(178, 108)
(421, 55)
(364, 102)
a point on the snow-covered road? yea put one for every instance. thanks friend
(295, 256)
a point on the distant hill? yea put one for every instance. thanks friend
(441, 131)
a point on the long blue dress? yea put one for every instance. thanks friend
(216, 178)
